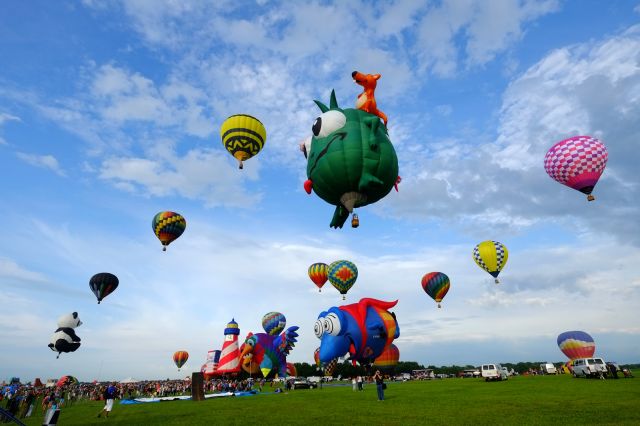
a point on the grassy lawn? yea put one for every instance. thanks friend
(520, 400)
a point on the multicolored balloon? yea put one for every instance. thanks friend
(388, 358)
(576, 344)
(342, 275)
(316, 357)
(436, 285)
(180, 357)
(291, 369)
(491, 256)
(168, 226)
(103, 284)
(273, 323)
(243, 136)
(318, 272)
(66, 380)
(577, 162)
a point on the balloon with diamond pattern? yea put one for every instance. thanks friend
(342, 275)
(577, 162)
(168, 226)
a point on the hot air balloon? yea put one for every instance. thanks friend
(576, 344)
(168, 226)
(318, 274)
(273, 323)
(342, 275)
(577, 162)
(243, 136)
(103, 284)
(66, 380)
(436, 285)
(316, 357)
(180, 357)
(351, 162)
(291, 369)
(388, 358)
(491, 256)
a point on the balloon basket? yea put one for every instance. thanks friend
(319, 290)
(164, 248)
(590, 197)
(355, 222)
(439, 306)
(497, 281)
(240, 165)
(344, 297)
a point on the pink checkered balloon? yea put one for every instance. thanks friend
(577, 162)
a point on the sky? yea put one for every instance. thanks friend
(110, 112)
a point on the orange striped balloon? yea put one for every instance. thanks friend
(318, 272)
(388, 358)
(180, 357)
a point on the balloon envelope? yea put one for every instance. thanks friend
(103, 284)
(436, 285)
(342, 275)
(491, 256)
(273, 323)
(318, 272)
(243, 136)
(577, 162)
(180, 357)
(66, 380)
(291, 369)
(576, 344)
(168, 226)
(388, 358)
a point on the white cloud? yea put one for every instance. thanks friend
(208, 175)
(43, 161)
(5, 117)
(9, 269)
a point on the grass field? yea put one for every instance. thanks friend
(558, 400)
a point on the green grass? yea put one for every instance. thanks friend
(520, 400)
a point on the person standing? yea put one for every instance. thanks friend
(360, 380)
(379, 385)
(109, 396)
(353, 383)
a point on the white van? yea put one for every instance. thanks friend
(493, 372)
(548, 368)
(589, 367)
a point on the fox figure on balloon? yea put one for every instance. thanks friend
(350, 159)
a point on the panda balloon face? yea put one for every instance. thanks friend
(65, 339)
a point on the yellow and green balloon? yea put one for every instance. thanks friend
(243, 136)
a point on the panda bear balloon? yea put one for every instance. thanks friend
(65, 338)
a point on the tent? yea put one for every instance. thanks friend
(129, 380)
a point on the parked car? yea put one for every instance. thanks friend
(589, 367)
(471, 373)
(302, 383)
(493, 372)
(548, 368)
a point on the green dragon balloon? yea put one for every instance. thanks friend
(350, 160)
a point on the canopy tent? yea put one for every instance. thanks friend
(129, 380)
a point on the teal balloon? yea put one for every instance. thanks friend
(342, 275)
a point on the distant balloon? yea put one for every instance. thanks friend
(316, 357)
(491, 256)
(342, 275)
(103, 284)
(66, 380)
(576, 344)
(180, 357)
(291, 369)
(577, 162)
(318, 274)
(273, 323)
(388, 358)
(436, 285)
(168, 226)
(243, 136)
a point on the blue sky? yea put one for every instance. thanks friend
(109, 113)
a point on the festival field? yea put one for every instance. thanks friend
(520, 400)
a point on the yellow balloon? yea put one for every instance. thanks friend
(491, 256)
(243, 136)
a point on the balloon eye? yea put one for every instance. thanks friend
(328, 123)
(332, 324)
(318, 329)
